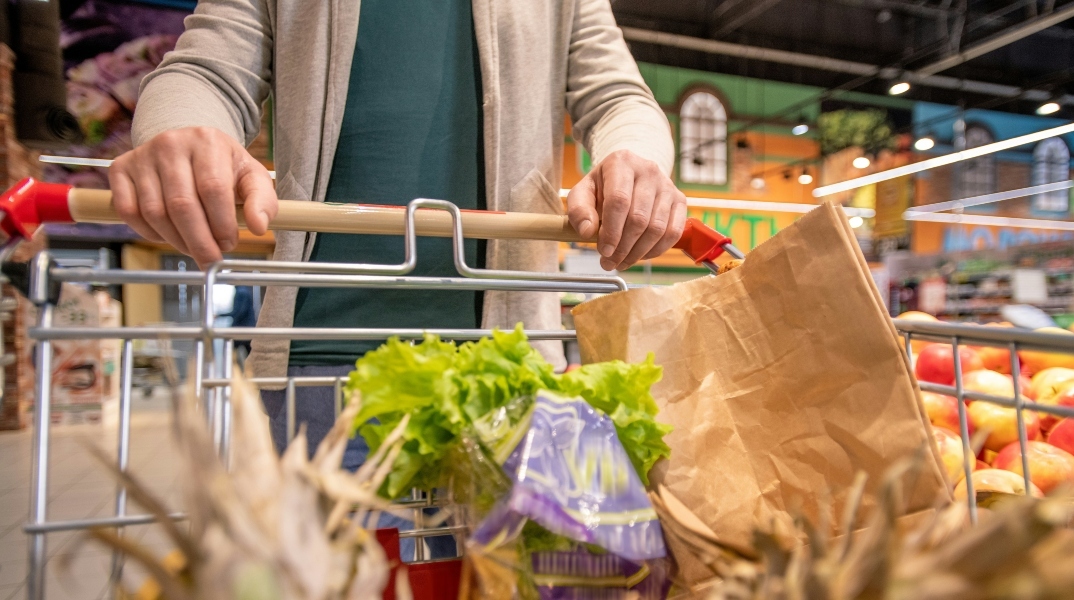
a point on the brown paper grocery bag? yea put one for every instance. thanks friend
(782, 378)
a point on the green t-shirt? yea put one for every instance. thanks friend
(411, 129)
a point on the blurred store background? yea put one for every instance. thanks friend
(771, 102)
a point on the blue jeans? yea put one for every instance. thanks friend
(315, 406)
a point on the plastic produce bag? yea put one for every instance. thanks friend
(782, 378)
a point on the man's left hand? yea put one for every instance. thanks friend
(638, 210)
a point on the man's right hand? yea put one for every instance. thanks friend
(182, 186)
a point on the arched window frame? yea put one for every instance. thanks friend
(977, 176)
(703, 138)
(1051, 164)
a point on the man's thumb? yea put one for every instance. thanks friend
(258, 198)
(582, 208)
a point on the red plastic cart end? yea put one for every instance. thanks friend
(701, 242)
(29, 203)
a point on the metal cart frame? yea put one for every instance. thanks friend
(212, 376)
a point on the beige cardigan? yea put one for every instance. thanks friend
(539, 58)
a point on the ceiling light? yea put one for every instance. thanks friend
(757, 183)
(964, 203)
(940, 161)
(923, 144)
(805, 178)
(856, 222)
(862, 162)
(800, 129)
(911, 215)
(899, 87)
(1048, 108)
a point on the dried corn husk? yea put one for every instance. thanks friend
(270, 527)
(1020, 549)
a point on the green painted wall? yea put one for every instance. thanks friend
(753, 98)
(746, 97)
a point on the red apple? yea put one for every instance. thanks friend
(951, 454)
(997, 480)
(1062, 435)
(942, 410)
(1063, 397)
(981, 465)
(1001, 423)
(995, 359)
(1048, 466)
(936, 363)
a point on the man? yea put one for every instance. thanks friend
(382, 103)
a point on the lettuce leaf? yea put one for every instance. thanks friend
(447, 388)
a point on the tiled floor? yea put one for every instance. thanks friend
(80, 488)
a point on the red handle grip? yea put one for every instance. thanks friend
(29, 203)
(701, 242)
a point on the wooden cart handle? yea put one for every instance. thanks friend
(31, 203)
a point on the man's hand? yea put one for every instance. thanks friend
(182, 186)
(638, 209)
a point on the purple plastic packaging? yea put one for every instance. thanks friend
(571, 475)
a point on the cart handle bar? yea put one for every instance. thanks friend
(31, 203)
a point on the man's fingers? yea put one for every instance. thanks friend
(653, 232)
(676, 224)
(258, 197)
(637, 222)
(186, 211)
(214, 181)
(614, 198)
(582, 208)
(151, 205)
(125, 200)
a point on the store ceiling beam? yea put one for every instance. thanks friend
(999, 40)
(824, 63)
(748, 15)
(917, 10)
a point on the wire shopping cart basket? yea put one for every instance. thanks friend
(30, 203)
(214, 345)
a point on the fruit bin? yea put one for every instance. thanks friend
(1018, 349)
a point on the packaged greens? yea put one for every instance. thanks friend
(485, 388)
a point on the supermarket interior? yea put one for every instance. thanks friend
(629, 299)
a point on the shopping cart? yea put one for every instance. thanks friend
(25, 207)
(30, 203)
